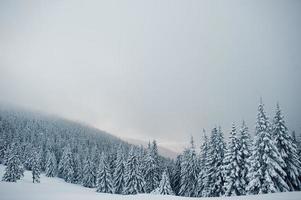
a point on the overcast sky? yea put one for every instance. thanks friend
(153, 69)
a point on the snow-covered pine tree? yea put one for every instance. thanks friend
(296, 141)
(42, 157)
(95, 155)
(266, 172)
(134, 182)
(89, 176)
(189, 172)
(35, 166)
(27, 156)
(119, 171)
(176, 175)
(154, 149)
(77, 166)
(104, 178)
(151, 168)
(51, 164)
(14, 169)
(202, 188)
(245, 145)
(287, 150)
(234, 185)
(65, 169)
(164, 187)
(215, 159)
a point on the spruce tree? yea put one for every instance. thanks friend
(66, 170)
(89, 176)
(77, 166)
(35, 163)
(245, 145)
(14, 169)
(189, 172)
(176, 175)
(51, 164)
(154, 150)
(202, 187)
(288, 151)
(95, 155)
(119, 172)
(151, 172)
(234, 185)
(217, 147)
(134, 182)
(266, 172)
(164, 187)
(104, 178)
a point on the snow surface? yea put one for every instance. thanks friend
(58, 189)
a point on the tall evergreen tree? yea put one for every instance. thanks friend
(151, 172)
(215, 159)
(245, 145)
(66, 170)
(77, 166)
(89, 176)
(176, 175)
(189, 172)
(234, 185)
(119, 172)
(51, 164)
(134, 182)
(202, 188)
(266, 172)
(287, 150)
(95, 155)
(35, 163)
(164, 187)
(104, 178)
(14, 169)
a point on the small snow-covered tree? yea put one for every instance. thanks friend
(66, 170)
(104, 178)
(119, 172)
(164, 187)
(35, 165)
(51, 164)
(89, 177)
(266, 173)
(189, 172)
(14, 169)
(234, 185)
(134, 182)
(288, 151)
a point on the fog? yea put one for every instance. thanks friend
(153, 69)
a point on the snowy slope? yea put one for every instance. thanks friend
(57, 189)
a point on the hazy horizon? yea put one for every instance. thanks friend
(153, 70)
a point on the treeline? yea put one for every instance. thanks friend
(267, 163)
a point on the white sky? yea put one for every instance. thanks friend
(153, 69)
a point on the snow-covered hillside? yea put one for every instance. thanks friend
(58, 189)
